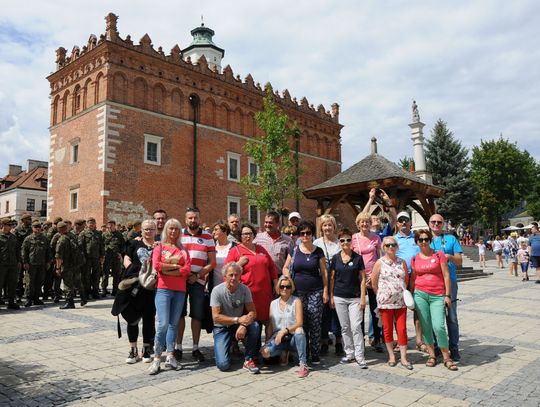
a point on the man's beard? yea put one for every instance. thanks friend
(193, 226)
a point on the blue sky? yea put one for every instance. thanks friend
(473, 64)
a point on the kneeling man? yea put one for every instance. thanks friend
(234, 315)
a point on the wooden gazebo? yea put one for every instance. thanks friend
(352, 186)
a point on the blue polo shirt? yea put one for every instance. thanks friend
(534, 242)
(387, 231)
(449, 245)
(407, 248)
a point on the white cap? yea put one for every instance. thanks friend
(294, 215)
(404, 214)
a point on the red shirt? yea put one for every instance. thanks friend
(172, 255)
(198, 247)
(429, 276)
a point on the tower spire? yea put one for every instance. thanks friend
(417, 136)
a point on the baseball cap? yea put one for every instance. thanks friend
(404, 214)
(294, 215)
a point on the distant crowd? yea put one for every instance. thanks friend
(272, 295)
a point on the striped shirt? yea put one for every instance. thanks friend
(198, 246)
(277, 249)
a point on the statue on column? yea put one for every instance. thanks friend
(415, 114)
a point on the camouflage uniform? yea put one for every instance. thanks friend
(67, 252)
(35, 253)
(56, 281)
(114, 246)
(79, 265)
(91, 242)
(9, 259)
(50, 274)
(21, 232)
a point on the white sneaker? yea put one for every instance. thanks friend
(154, 367)
(171, 363)
(133, 356)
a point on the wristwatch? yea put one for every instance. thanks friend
(236, 319)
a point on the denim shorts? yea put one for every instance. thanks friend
(195, 293)
(535, 261)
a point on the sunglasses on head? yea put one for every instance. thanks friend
(436, 222)
(306, 233)
(390, 245)
(285, 287)
(345, 240)
(424, 239)
(192, 209)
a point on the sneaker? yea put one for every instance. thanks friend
(303, 371)
(251, 367)
(362, 364)
(133, 356)
(315, 360)
(154, 367)
(171, 363)
(339, 349)
(197, 355)
(177, 353)
(345, 360)
(147, 356)
(324, 349)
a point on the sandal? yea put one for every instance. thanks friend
(422, 347)
(450, 365)
(431, 362)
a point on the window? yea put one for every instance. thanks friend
(253, 171)
(73, 200)
(43, 208)
(30, 204)
(233, 205)
(74, 158)
(253, 215)
(233, 160)
(152, 149)
(7, 207)
(43, 183)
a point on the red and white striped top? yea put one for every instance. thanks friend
(198, 246)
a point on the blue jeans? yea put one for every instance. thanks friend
(298, 342)
(223, 336)
(452, 320)
(169, 306)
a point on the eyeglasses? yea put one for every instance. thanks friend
(345, 240)
(424, 239)
(306, 233)
(390, 245)
(436, 222)
(247, 234)
(403, 219)
(285, 287)
(149, 230)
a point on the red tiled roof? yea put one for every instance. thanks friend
(27, 180)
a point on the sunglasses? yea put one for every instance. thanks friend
(390, 245)
(403, 220)
(306, 233)
(285, 287)
(436, 222)
(424, 239)
(345, 240)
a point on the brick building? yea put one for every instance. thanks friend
(127, 121)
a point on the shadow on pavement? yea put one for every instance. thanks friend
(476, 354)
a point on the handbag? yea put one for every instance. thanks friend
(148, 274)
(408, 299)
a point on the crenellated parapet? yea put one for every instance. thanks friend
(172, 67)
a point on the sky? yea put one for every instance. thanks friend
(473, 64)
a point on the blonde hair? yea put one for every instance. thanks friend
(363, 216)
(285, 278)
(325, 219)
(168, 224)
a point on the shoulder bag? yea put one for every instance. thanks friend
(148, 274)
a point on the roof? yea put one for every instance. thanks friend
(28, 179)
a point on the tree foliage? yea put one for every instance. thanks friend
(406, 163)
(448, 163)
(276, 179)
(533, 197)
(503, 176)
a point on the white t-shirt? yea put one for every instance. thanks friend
(497, 245)
(481, 249)
(221, 255)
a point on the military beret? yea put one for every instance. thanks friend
(91, 219)
(79, 221)
(36, 223)
(5, 221)
(61, 224)
(26, 216)
(48, 223)
(57, 219)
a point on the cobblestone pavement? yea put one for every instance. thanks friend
(54, 357)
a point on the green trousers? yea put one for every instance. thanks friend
(9, 276)
(430, 311)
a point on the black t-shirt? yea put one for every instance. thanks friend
(307, 272)
(347, 276)
(137, 251)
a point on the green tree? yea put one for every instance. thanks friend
(503, 175)
(533, 197)
(276, 179)
(448, 163)
(406, 163)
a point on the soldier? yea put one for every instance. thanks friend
(135, 231)
(57, 281)
(35, 258)
(94, 252)
(22, 232)
(9, 261)
(65, 255)
(114, 246)
(80, 270)
(50, 275)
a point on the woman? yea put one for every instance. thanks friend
(137, 252)
(497, 246)
(368, 245)
(291, 231)
(286, 320)
(432, 292)
(513, 248)
(389, 280)
(348, 297)
(328, 242)
(259, 272)
(173, 266)
(308, 271)
(220, 232)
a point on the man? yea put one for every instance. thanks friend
(234, 315)
(202, 251)
(79, 268)
(50, 275)
(276, 243)
(66, 261)
(160, 216)
(22, 232)
(234, 225)
(135, 230)
(294, 219)
(91, 242)
(35, 255)
(534, 250)
(114, 246)
(450, 246)
(9, 262)
(375, 219)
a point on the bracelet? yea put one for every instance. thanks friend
(448, 295)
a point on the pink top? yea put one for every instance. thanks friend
(429, 276)
(369, 249)
(172, 255)
(391, 284)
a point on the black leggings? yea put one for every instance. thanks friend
(148, 321)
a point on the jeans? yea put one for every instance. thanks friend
(350, 317)
(298, 342)
(223, 336)
(452, 320)
(373, 321)
(169, 306)
(330, 322)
